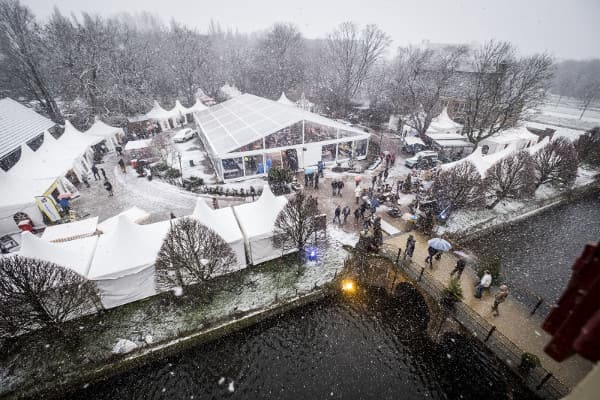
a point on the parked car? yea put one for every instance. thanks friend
(184, 135)
(427, 158)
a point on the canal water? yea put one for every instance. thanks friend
(537, 253)
(365, 346)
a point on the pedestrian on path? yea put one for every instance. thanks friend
(340, 186)
(109, 188)
(432, 252)
(373, 181)
(122, 165)
(253, 191)
(410, 247)
(333, 187)
(385, 174)
(85, 181)
(357, 193)
(95, 172)
(484, 283)
(363, 209)
(499, 298)
(346, 213)
(317, 181)
(103, 173)
(336, 215)
(460, 267)
(356, 215)
(320, 168)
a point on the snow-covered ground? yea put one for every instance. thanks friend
(566, 113)
(192, 150)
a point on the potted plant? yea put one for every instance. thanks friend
(452, 293)
(529, 361)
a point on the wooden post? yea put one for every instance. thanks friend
(538, 304)
(398, 256)
(421, 274)
(490, 333)
(543, 381)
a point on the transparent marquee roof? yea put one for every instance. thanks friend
(247, 118)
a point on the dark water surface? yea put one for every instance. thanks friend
(537, 253)
(370, 347)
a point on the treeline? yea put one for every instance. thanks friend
(81, 66)
(578, 79)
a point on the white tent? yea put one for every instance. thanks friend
(160, 115)
(223, 222)
(482, 162)
(134, 214)
(123, 265)
(198, 106)
(257, 221)
(70, 231)
(110, 134)
(75, 255)
(180, 110)
(519, 137)
(284, 100)
(444, 124)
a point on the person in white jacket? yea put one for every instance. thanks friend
(357, 193)
(484, 283)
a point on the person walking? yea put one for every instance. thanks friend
(363, 209)
(103, 173)
(499, 298)
(333, 187)
(373, 182)
(122, 165)
(320, 168)
(346, 213)
(356, 215)
(460, 267)
(85, 181)
(357, 193)
(95, 172)
(432, 252)
(410, 247)
(484, 283)
(336, 215)
(385, 174)
(253, 191)
(317, 181)
(109, 188)
(340, 186)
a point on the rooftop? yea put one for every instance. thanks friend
(18, 125)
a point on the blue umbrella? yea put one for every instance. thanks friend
(309, 171)
(374, 203)
(439, 244)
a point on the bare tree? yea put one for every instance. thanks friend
(579, 79)
(502, 86)
(351, 55)
(588, 148)
(459, 186)
(513, 177)
(22, 55)
(295, 222)
(192, 254)
(420, 78)
(556, 163)
(35, 294)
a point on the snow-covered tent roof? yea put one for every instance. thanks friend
(18, 191)
(221, 220)
(134, 214)
(411, 140)
(247, 118)
(75, 140)
(444, 136)
(443, 123)
(103, 130)
(304, 103)
(128, 249)
(257, 219)
(284, 100)
(198, 106)
(559, 131)
(138, 144)
(157, 112)
(511, 135)
(75, 255)
(70, 231)
(50, 161)
(18, 125)
(482, 162)
(179, 109)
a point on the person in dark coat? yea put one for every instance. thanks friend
(432, 252)
(410, 247)
(363, 209)
(346, 213)
(356, 215)
(122, 165)
(95, 172)
(317, 181)
(385, 174)
(340, 186)
(252, 192)
(103, 173)
(109, 188)
(320, 168)
(85, 181)
(460, 267)
(373, 182)
(333, 187)
(336, 215)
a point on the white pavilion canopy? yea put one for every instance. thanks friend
(284, 100)
(70, 231)
(444, 124)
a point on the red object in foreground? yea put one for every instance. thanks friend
(26, 226)
(574, 323)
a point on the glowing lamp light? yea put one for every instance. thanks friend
(348, 286)
(312, 254)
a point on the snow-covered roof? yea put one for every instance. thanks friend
(198, 106)
(221, 220)
(482, 162)
(410, 140)
(538, 146)
(101, 129)
(511, 135)
(284, 100)
(247, 118)
(75, 254)
(71, 230)
(257, 219)
(128, 249)
(77, 141)
(567, 133)
(138, 144)
(134, 214)
(19, 191)
(444, 136)
(19, 124)
(443, 123)
(50, 161)
(157, 112)
(453, 143)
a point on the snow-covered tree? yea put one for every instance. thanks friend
(295, 223)
(459, 186)
(588, 148)
(35, 294)
(512, 177)
(192, 254)
(556, 163)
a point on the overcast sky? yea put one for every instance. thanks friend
(565, 28)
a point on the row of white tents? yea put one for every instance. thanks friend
(168, 119)
(120, 257)
(39, 173)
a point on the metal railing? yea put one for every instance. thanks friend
(539, 379)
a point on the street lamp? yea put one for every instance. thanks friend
(180, 169)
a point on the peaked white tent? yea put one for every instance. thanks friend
(162, 116)
(198, 106)
(444, 124)
(519, 137)
(110, 134)
(482, 162)
(70, 231)
(223, 222)
(284, 100)
(134, 214)
(75, 255)
(257, 221)
(123, 265)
